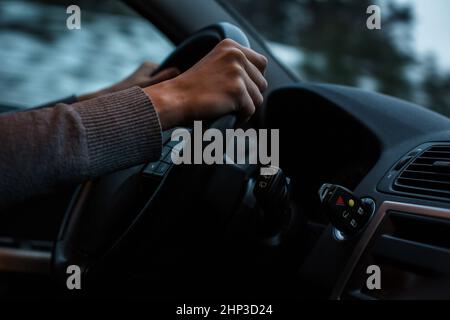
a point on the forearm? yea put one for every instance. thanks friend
(45, 148)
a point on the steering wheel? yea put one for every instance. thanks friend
(103, 212)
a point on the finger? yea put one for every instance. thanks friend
(255, 75)
(253, 91)
(166, 74)
(145, 69)
(247, 107)
(257, 59)
(161, 76)
(148, 67)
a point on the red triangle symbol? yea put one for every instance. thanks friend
(340, 201)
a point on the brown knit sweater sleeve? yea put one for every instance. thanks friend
(46, 148)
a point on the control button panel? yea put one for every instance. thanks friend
(159, 168)
(347, 213)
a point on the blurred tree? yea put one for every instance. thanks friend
(436, 87)
(338, 48)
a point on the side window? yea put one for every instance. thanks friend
(42, 60)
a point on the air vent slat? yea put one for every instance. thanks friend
(437, 153)
(428, 174)
(422, 191)
(440, 148)
(428, 168)
(435, 158)
(431, 184)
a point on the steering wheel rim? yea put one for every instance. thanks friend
(67, 249)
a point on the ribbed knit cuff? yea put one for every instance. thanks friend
(122, 130)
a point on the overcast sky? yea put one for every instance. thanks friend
(432, 28)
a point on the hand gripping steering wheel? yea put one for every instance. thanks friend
(107, 201)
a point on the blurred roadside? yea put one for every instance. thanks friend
(42, 60)
(327, 41)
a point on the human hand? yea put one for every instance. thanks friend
(141, 77)
(228, 79)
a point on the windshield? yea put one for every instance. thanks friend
(330, 41)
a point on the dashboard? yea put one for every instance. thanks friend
(381, 148)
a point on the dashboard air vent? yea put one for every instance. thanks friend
(428, 174)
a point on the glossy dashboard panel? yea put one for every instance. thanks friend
(375, 131)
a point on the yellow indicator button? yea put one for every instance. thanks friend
(351, 202)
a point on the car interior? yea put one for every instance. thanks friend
(165, 231)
